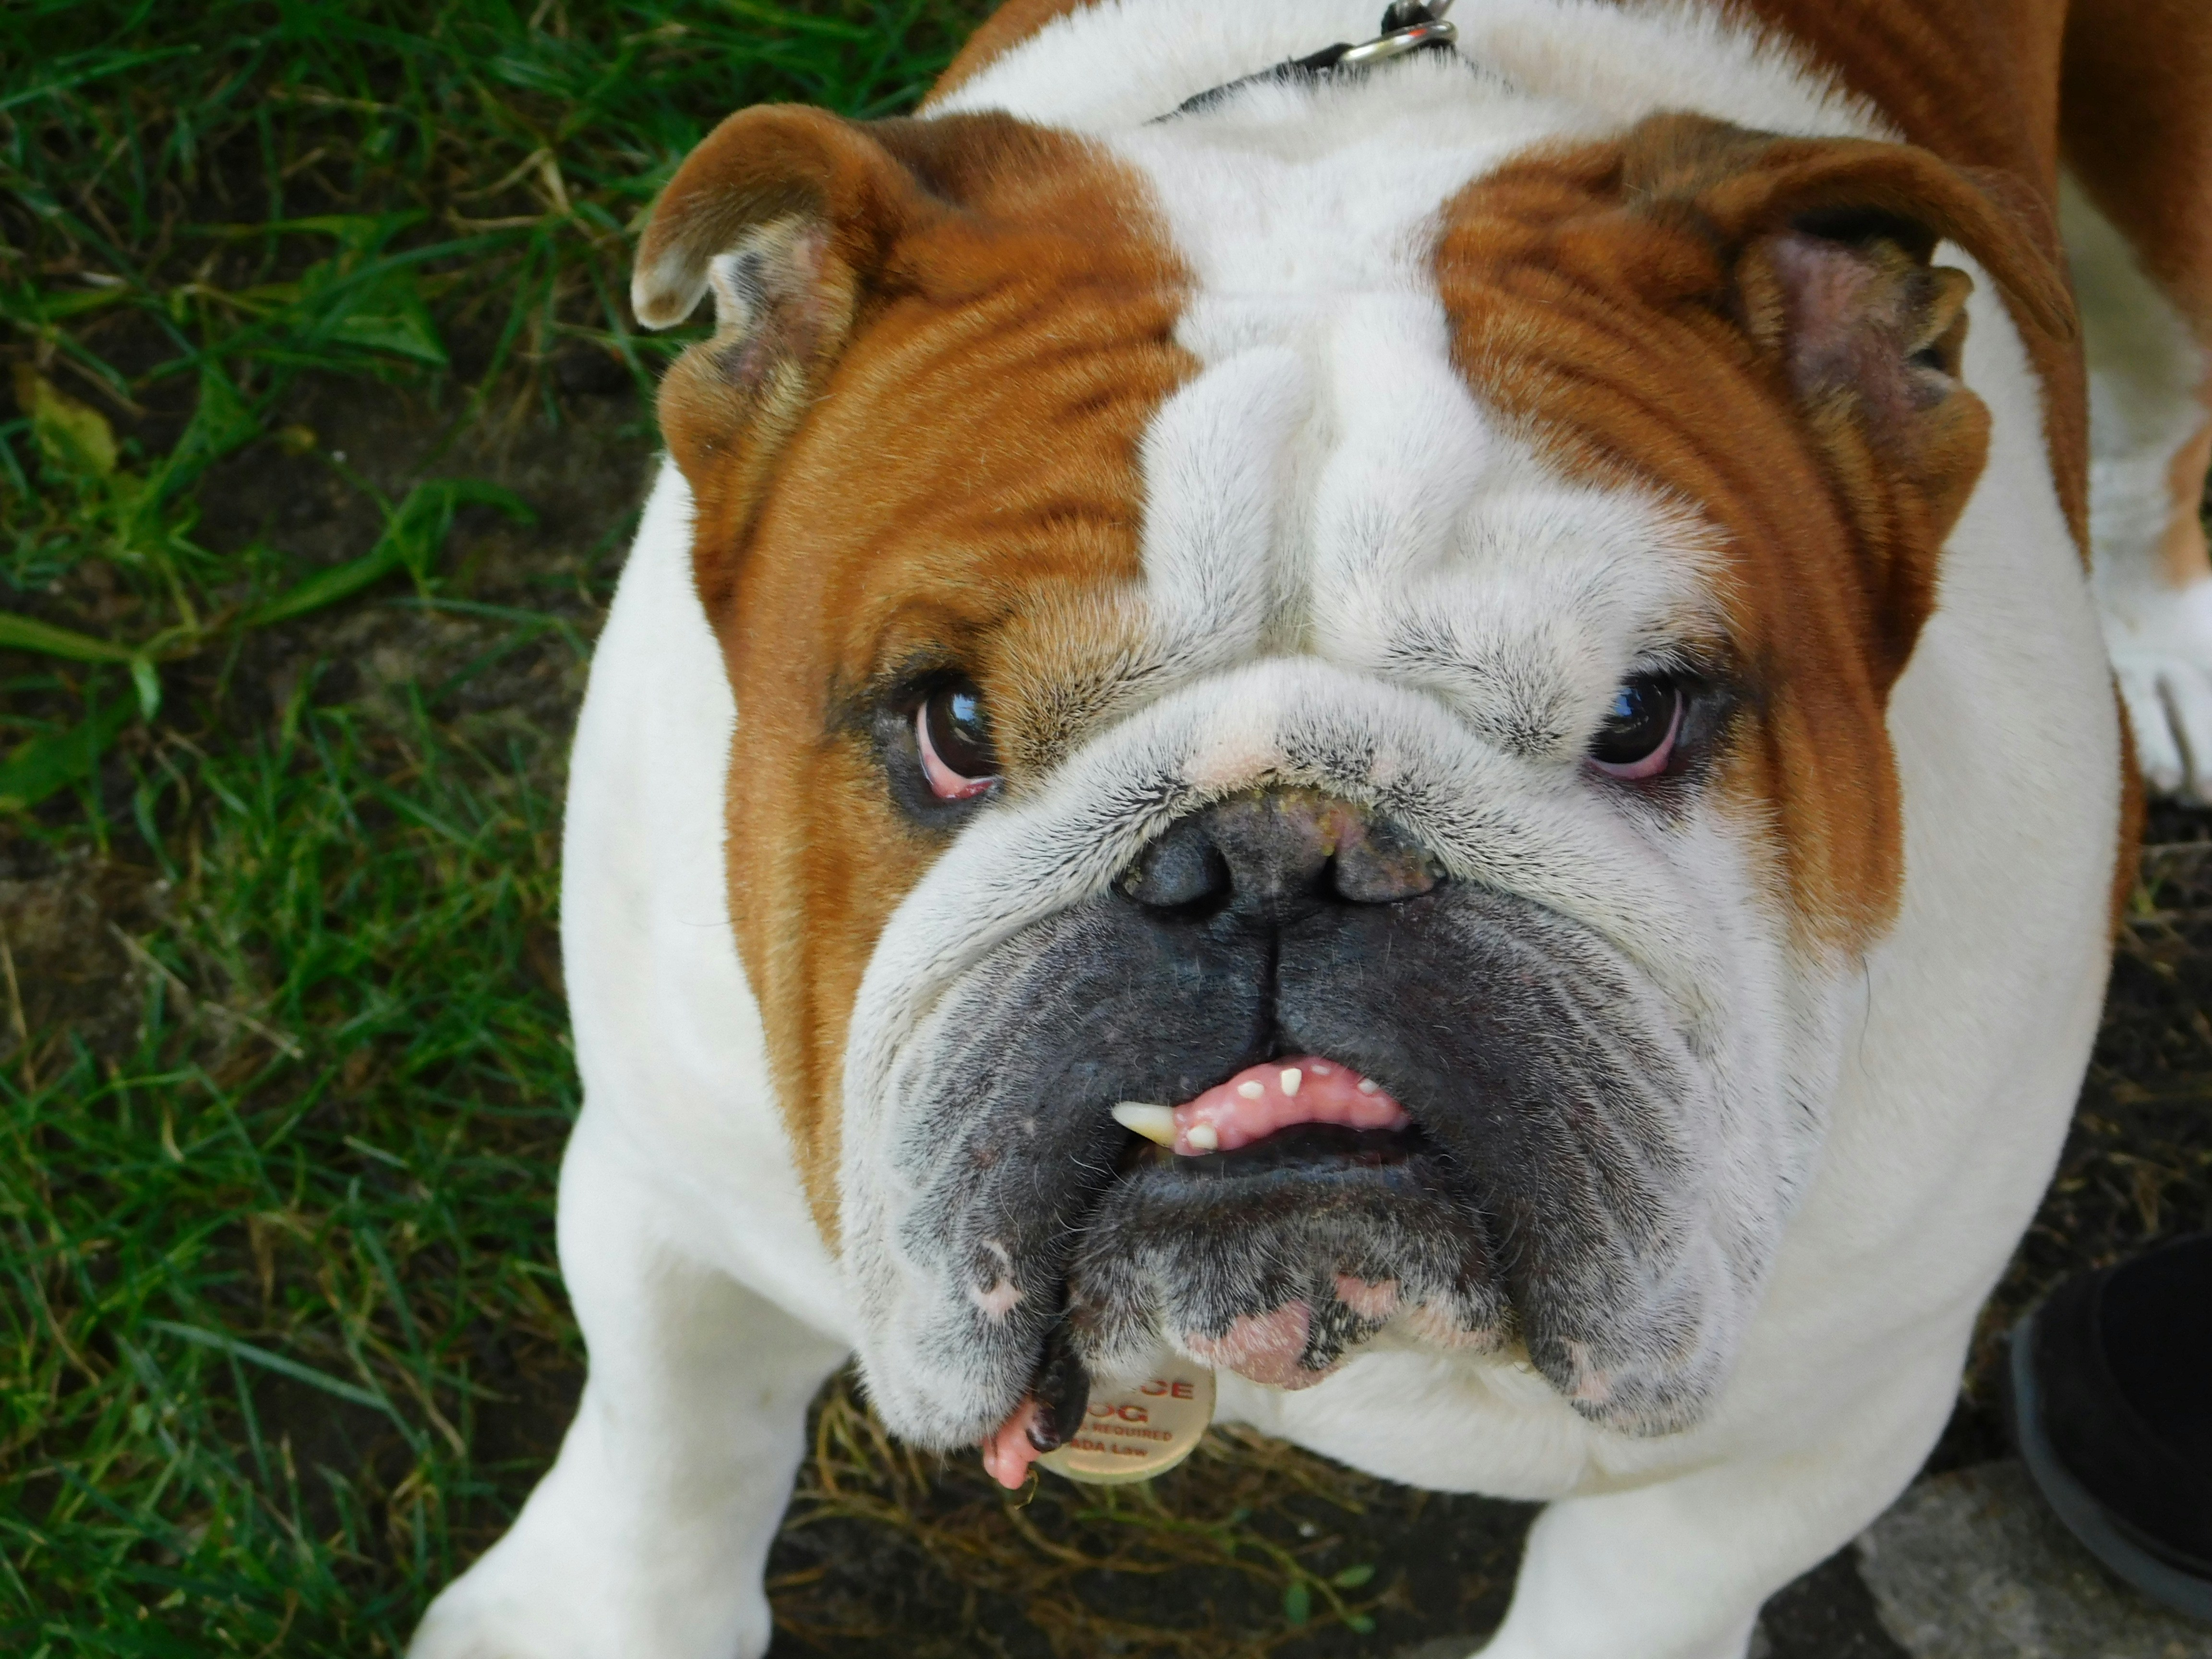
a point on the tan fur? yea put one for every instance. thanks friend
(950, 482)
(2135, 124)
(2135, 116)
(920, 450)
(2121, 90)
(1623, 300)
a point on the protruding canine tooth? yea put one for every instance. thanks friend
(1204, 1136)
(1368, 1085)
(1153, 1122)
(1291, 1078)
(1252, 1090)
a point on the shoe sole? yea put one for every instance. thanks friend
(2081, 1514)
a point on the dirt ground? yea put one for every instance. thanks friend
(889, 1554)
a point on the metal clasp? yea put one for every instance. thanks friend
(1407, 26)
(1397, 44)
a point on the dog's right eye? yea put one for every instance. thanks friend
(955, 741)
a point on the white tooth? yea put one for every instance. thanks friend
(1368, 1085)
(1291, 1078)
(1251, 1091)
(1203, 1136)
(1153, 1122)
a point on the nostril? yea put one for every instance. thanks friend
(1385, 865)
(1181, 869)
(1276, 856)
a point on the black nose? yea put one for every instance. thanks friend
(1278, 854)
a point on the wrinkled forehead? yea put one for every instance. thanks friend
(1337, 463)
(1238, 429)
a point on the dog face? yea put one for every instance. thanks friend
(1431, 739)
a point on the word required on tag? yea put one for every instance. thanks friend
(1135, 1433)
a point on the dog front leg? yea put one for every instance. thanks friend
(1679, 1570)
(2150, 441)
(647, 1538)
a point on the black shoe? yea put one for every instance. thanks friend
(2110, 1403)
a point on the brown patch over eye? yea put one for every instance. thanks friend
(932, 462)
(1752, 322)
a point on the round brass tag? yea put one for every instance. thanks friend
(1135, 1433)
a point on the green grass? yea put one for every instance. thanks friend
(207, 202)
(276, 1149)
(320, 435)
(254, 1256)
(284, 1069)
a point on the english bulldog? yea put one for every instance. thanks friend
(1491, 636)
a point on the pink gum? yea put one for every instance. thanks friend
(1323, 1092)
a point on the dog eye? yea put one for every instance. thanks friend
(955, 742)
(1637, 738)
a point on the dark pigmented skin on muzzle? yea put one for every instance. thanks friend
(1545, 1192)
(1561, 1104)
(1274, 853)
(1194, 1245)
(1061, 1387)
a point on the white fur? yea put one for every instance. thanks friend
(1346, 555)
(2146, 375)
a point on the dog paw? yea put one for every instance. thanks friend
(601, 1608)
(479, 1617)
(2162, 650)
(459, 1634)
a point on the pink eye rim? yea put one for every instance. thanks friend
(1654, 761)
(944, 748)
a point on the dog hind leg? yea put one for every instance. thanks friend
(649, 1534)
(2136, 206)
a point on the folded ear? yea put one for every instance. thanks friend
(1830, 245)
(786, 214)
(762, 173)
(798, 222)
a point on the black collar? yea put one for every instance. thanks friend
(1409, 26)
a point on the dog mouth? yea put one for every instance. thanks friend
(1299, 1120)
(1263, 1101)
(1094, 1183)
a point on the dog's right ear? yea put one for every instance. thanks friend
(793, 219)
(765, 198)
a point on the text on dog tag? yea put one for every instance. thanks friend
(1135, 1433)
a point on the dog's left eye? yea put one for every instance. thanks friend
(949, 728)
(1640, 729)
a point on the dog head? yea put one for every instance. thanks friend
(1423, 722)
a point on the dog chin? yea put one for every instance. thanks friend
(1277, 1259)
(1547, 1187)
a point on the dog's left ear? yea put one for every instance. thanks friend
(1829, 246)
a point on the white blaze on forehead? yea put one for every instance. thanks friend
(1305, 218)
(1329, 484)
(1216, 464)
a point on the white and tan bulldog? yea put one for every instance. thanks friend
(1500, 637)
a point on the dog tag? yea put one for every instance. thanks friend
(1135, 1433)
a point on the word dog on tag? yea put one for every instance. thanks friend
(1135, 1433)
